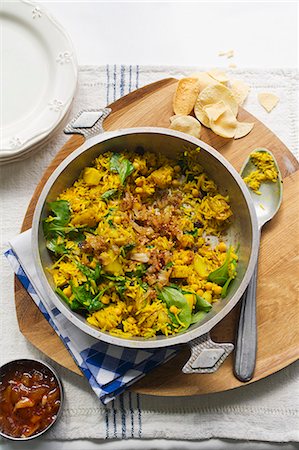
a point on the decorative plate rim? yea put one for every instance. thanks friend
(66, 57)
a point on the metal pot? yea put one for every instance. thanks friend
(206, 355)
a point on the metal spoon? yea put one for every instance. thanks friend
(266, 206)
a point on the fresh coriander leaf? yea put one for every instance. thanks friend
(126, 169)
(143, 284)
(119, 282)
(61, 209)
(84, 297)
(114, 162)
(193, 233)
(126, 249)
(58, 249)
(122, 166)
(108, 194)
(74, 304)
(56, 224)
(91, 274)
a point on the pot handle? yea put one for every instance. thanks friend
(88, 122)
(206, 355)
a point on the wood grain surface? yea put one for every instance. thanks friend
(277, 292)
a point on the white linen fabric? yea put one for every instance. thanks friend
(266, 410)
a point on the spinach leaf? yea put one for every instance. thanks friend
(122, 166)
(108, 194)
(198, 316)
(173, 297)
(202, 304)
(221, 275)
(227, 283)
(168, 265)
(139, 271)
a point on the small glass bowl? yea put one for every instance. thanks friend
(38, 365)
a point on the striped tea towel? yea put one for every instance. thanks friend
(109, 369)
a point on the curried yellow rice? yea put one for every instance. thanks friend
(130, 248)
(266, 170)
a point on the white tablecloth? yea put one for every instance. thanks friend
(263, 35)
(266, 410)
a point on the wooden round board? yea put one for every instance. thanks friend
(277, 308)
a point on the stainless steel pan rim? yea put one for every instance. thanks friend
(141, 343)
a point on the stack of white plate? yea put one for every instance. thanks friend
(38, 78)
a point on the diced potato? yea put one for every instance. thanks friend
(207, 295)
(87, 217)
(162, 177)
(115, 268)
(200, 266)
(91, 176)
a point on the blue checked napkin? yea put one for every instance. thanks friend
(109, 369)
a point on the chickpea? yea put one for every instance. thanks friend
(131, 320)
(175, 183)
(195, 192)
(222, 247)
(105, 299)
(217, 289)
(118, 311)
(173, 309)
(117, 220)
(208, 286)
(67, 291)
(177, 169)
(199, 292)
